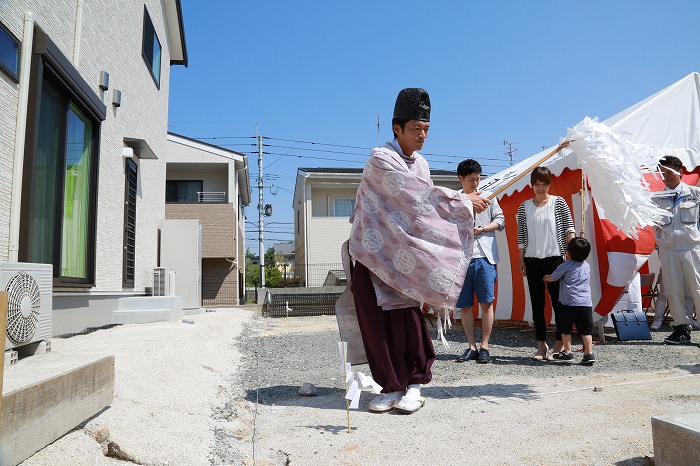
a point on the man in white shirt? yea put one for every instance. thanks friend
(481, 274)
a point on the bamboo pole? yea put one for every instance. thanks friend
(529, 169)
(3, 330)
(583, 203)
(347, 402)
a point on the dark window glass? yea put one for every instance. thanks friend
(129, 262)
(184, 191)
(62, 185)
(151, 47)
(9, 53)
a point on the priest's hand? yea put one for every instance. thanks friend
(479, 203)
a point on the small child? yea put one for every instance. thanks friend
(574, 276)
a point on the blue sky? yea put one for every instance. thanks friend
(321, 71)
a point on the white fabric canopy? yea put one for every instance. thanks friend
(668, 120)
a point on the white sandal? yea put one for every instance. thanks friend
(384, 402)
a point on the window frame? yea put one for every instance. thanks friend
(48, 63)
(196, 201)
(131, 176)
(146, 40)
(18, 45)
(335, 206)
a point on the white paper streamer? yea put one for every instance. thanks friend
(342, 350)
(367, 381)
(351, 390)
(353, 395)
(354, 391)
(614, 167)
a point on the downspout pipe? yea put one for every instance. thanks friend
(78, 32)
(20, 134)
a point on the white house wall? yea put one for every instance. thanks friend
(12, 16)
(110, 39)
(323, 197)
(9, 98)
(115, 46)
(326, 235)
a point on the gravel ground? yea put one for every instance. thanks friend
(225, 390)
(513, 411)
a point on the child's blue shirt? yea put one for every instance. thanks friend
(574, 283)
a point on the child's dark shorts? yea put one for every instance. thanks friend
(581, 316)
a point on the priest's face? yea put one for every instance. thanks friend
(412, 136)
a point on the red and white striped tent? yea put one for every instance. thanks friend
(668, 120)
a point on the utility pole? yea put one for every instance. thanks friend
(261, 207)
(510, 150)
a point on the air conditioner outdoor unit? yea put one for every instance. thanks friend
(30, 305)
(163, 282)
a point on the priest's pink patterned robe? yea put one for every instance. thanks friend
(415, 238)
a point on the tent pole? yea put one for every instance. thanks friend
(529, 169)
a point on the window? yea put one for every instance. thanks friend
(343, 207)
(129, 262)
(59, 188)
(9, 53)
(184, 191)
(151, 47)
(62, 185)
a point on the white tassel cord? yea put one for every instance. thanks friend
(443, 325)
(613, 166)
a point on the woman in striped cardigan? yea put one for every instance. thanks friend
(545, 227)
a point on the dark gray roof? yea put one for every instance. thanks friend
(285, 248)
(359, 170)
(206, 143)
(330, 170)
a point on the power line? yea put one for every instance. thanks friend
(317, 158)
(318, 143)
(320, 150)
(226, 137)
(509, 153)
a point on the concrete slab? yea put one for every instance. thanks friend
(147, 309)
(676, 439)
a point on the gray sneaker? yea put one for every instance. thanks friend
(588, 359)
(484, 356)
(562, 356)
(468, 355)
(680, 336)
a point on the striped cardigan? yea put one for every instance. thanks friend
(563, 220)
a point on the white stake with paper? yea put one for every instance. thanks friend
(353, 388)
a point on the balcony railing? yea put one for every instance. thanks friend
(211, 196)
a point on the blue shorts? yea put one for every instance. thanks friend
(481, 278)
